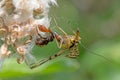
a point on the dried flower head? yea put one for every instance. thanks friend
(19, 21)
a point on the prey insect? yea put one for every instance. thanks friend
(40, 40)
(66, 43)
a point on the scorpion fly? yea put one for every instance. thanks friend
(66, 43)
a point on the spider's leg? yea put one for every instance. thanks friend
(60, 28)
(47, 59)
(58, 39)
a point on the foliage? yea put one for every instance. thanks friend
(100, 32)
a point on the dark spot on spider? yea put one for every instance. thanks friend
(56, 55)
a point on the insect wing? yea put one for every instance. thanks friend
(30, 59)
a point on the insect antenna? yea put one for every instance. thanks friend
(94, 53)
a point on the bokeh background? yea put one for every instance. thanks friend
(99, 24)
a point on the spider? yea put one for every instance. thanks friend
(66, 43)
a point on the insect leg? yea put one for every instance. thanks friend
(59, 44)
(58, 39)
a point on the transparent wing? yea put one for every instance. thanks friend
(30, 59)
(74, 52)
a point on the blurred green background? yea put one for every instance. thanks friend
(99, 24)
